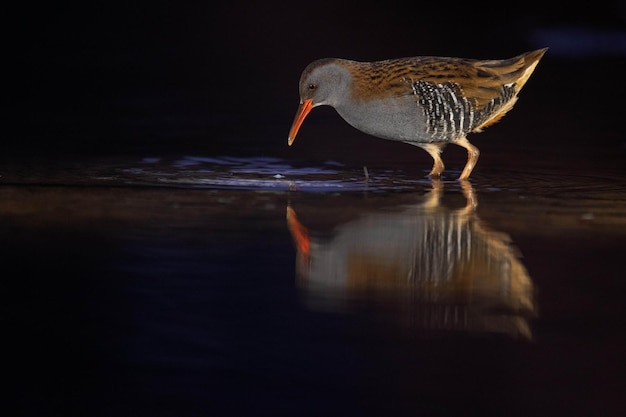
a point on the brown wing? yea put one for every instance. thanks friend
(480, 80)
(491, 86)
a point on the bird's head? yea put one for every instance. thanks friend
(323, 82)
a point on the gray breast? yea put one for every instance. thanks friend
(394, 118)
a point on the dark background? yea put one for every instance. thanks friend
(205, 76)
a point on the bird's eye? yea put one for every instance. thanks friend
(312, 86)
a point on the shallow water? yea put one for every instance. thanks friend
(263, 285)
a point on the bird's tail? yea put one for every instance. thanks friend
(531, 59)
(515, 70)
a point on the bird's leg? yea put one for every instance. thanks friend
(434, 149)
(472, 156)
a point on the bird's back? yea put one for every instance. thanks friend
(456, 95)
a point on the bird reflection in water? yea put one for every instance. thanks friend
(437, 269)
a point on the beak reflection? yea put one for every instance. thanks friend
(434, 268)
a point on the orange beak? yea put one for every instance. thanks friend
(303, 110)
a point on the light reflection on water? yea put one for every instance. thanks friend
(225, 172)
(237, 172)
(559, 195)
(273, 173)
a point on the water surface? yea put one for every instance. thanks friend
(263, 285)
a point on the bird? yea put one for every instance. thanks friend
(426, 101)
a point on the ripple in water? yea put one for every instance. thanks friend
(261, 173)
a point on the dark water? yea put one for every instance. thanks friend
(262, 285)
